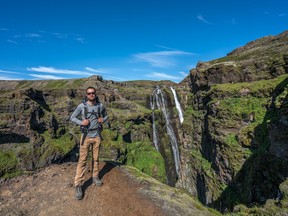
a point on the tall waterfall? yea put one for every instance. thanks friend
(155, 134)
(158, 98)
(178, 106)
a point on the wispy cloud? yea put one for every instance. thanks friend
(160, 59)
(76, 37)
(157, 75)
(184, 74)
(80, 39)
(201, 18)
(4, 29)
(164, 47)
(45, 36)
(8, 78)
(282, 14)
(46, 76)
(12, 41)
(32, 35)
(53, 70)
(100, 71)
(9, 75)
(9, 72)
(59, 35)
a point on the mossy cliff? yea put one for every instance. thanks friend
(36, 131)
(234, 157)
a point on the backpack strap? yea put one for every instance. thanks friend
(99, 112)
(85, 109)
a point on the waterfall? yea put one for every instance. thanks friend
(159, 99)
(155, 135)
(178, 106)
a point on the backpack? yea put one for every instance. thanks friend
(84, 129)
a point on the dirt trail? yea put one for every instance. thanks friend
(51, 192)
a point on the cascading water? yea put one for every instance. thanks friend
(155, 135)
(159, 99)
(178, 106)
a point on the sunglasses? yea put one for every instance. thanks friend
(89, 93)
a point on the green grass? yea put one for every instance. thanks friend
(56, 84)
(8, 164)
(255, 88)
(63, 144)
(147, 159)
(201, 163)
(231, 140)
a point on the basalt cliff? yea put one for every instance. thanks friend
(220, 134)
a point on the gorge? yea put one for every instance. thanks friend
(220, 134)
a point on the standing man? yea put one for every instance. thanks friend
(89, 115)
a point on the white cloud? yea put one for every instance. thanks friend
(43, 69)
(158, 75)
(164, 47)
(282, 14)
(101, 71)
(184, 74)
(9, 72)
(8, 78)
(201, 18)
(32, 35)
(46, 76)
(59, 35)
(161, 58)
(12, 41)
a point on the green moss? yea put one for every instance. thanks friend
(231, 140)
(56, 84)
(147, 159)
(8, 163)
(59, 147)
(255, 88)
(201, 163)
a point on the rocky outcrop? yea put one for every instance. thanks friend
(265, 58)
(235, 151)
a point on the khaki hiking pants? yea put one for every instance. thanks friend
(94, 142)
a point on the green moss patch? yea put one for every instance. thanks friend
(147, 159)
(8, 164)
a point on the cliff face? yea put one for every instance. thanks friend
(232, 144)
(236, 122)
(35, 129)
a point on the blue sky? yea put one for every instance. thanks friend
(127, 39)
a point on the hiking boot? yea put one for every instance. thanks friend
(97, 181)
(78, 193)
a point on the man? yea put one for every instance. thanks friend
(89, 115)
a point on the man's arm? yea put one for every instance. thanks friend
(104, 116)
(75, 115)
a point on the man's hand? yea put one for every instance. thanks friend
(100, 120)
(85, 122)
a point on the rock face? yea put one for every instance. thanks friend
(35, 128)
(234, 137)
(232, 143)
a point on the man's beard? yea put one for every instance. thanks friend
(91, 100)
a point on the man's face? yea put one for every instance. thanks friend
(91, 94)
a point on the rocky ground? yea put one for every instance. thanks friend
(51, 192)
